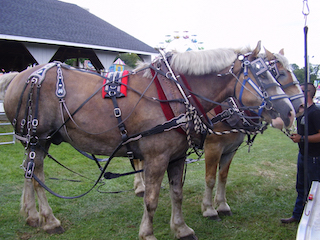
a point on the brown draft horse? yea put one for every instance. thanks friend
(220, 149)
(52, 103)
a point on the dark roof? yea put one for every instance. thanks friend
(60, 21)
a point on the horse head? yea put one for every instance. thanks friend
(280, 69)
(255, 79)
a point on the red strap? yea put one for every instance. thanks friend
(194, 97)
(123, 88)
(218, 109)
(104, 93)
(166, 108)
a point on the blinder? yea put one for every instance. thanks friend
(272, 65)
(258, 68)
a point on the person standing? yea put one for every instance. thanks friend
(313, 160)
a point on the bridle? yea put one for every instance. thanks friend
(260, 72)
(273, 68)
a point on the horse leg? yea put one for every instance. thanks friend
(212, 158)
(153, 173)
(28, 204)
(220, 199)
(48, 221)
(139, 186)
(177, 223)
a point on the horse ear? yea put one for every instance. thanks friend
(256, 51)
(269, 54)
(282, 52)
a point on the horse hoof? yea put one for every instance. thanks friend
(189, 237)
(57, 230)
(215, 218)
(225, 213)
(33, 222)
(140, 194)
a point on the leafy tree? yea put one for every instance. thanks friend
(300, 72)
(73, 61)
(129, 59)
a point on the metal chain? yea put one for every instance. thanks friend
(30, 112)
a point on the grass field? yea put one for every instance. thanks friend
(260, 191)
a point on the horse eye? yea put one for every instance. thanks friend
(282, 74)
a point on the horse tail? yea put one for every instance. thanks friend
(5, 80)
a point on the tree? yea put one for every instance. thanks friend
(300, 72)
(129, 59)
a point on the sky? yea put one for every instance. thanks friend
(219, 24)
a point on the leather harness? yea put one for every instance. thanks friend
(172, 101)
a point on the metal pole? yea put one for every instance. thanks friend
(306, 127)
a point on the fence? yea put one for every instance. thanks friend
(4, 122)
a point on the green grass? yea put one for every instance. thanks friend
(260, 191)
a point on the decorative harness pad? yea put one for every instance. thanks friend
(113, 86)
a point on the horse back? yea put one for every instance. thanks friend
(92, 125)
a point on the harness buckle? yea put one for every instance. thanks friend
(29, 170)
(112, 93)
(231, 111)
(117, 112)
(130, 155)
(35, 122)
(32, 155)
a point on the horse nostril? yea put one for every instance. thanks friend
(300, 110)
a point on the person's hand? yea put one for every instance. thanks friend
(295, 137)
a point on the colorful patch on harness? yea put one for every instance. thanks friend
(114, 84)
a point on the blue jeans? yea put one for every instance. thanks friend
(313, 166)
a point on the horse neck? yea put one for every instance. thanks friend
(213, 87)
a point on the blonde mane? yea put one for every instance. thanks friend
(283, 60)
(203, 62)
(200, 62)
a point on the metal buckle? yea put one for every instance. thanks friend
(117, 112)
(112, 93)
(130, 155)
(29, 170)
(35, 122)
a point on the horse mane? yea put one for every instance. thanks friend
(282, 59)
(5, 80)
(200, 62)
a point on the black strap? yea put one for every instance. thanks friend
(81, 195)
(110, 175)
(225, 114)
(171, 124)
(122, 128)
